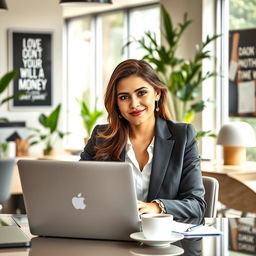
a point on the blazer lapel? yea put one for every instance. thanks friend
(162, 154)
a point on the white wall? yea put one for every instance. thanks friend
(33, 15)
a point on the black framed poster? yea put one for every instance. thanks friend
(242, 73)
(30, 53)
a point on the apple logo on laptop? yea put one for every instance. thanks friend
(78, 202)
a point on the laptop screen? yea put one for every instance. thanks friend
(86, 199)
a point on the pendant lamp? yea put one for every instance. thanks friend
(3, 5)
(76, 2)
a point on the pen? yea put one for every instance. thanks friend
(194, 227)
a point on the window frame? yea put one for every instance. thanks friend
(97, 90)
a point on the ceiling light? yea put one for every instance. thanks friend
(89, 2)
(3, 5)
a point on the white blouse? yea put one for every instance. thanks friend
(141, 178)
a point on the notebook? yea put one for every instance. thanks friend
(10, 233)
(86, 199)
(196, 231)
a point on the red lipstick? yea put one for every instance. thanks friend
(136, 113)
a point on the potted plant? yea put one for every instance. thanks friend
(183, 77)
(89, 116)
(50, 132)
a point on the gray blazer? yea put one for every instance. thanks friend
(175, 176)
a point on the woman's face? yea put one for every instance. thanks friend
(136, 100)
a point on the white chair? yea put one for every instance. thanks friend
(211, 186)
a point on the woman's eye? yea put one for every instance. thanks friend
(123, 97)
(141, 93)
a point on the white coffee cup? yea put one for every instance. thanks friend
(156, 226)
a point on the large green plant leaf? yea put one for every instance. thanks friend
(6, 79)
(32, 143)
(93, 118)
(53, 118)
(15, 96)
(4, 83)
(183, 26)
(188, 92)
(43, 120)
(84, 109)
(199, 106)
(168, 27)
(50, 121)
(208, 133)
(89, 117)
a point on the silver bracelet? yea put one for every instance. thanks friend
(160, 204)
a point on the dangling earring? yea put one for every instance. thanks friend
(157, 105)
(120, 117)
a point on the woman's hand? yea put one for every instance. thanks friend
(152, 207)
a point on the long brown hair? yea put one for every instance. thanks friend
(114, 137)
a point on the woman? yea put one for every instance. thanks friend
(164, 154)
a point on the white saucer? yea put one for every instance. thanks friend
(138, 236)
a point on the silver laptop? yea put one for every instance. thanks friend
(79, 199)
(11, 234)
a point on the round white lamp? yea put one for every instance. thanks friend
(235, 137)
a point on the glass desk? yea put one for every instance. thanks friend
(240, 234)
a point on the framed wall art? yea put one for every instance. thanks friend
(242, 73)
(30, 53)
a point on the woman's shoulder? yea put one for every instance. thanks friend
(177, 125)
(179, 128)
(100, 127)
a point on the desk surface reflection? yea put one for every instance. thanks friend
(206, 246)
(41, 246)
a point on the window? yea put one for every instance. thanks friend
(110, 38)
(94, 47)
(151, 15)
(80, 61)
